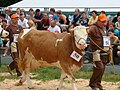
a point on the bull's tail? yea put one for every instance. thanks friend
(21, 52)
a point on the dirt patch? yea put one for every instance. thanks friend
(82, 84)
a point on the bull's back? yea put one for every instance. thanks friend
(43, 45)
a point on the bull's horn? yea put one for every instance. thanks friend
(71, 30)
(87, 27)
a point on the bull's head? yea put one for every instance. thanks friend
(3, 33)
(80, 35)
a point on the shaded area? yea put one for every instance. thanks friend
(5, 3)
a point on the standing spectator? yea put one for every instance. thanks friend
(83, 20)
(62, 17)
(38, 16)
(52, 15)
(76, 17)
(23, 21)
(93, 18)
(96, 33)
(53, 27)
(14, 29)
(45, 21)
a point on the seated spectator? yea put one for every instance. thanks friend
(117, 24)
(93, 18)
(31, 24)
(71, 26)
(53, 27)
(115, 18)
(38, 16)
(52, 15)
(1, 42)
(18, 11)
(22, 11)
(23, 21)
(118, 52)
(6, 49)
(83, 20)
(5, 40)
(34, 18)
(45, 21)
(31, 14)
(115, 30)
(62, 17)
(4, 24)
(116, 49)
(76, 17)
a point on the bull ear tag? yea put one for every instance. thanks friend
(76, 56)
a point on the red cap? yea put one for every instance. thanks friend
(102, 17)
(13, 16)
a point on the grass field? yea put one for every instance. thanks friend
(51, 73)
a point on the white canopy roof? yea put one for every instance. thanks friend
(68, 3)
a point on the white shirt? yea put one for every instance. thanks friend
(54, 29)
(23, 23)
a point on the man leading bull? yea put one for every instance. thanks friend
(99, 46)
(14, 29)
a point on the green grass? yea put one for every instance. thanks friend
(51, 73)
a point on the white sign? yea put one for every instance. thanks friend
(106, 41)
(76, 56)
(15, 37)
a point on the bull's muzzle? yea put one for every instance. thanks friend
(83, 45)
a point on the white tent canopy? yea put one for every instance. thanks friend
(68, 3)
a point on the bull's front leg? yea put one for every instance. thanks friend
(63, 76)
(73, 84)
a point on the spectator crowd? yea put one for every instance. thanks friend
(57, 22)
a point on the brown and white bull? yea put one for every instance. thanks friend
(40, 48)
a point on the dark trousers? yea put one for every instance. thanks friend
(14, 65)
(98, 71)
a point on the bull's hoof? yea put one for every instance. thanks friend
(62, 88)
(18, 84)
(31, 87)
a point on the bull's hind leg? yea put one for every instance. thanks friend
(22, 79)
(63, 76)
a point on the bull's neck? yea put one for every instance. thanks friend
(80, 51)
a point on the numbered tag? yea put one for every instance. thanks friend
(106, 41)
(76, 56)
(15, 37)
